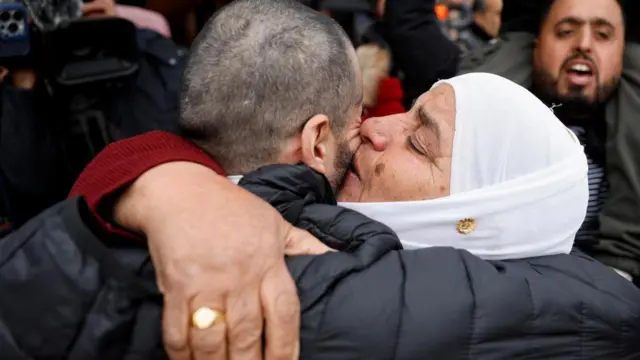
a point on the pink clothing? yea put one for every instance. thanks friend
(144, 18)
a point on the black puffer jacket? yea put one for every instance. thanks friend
(64, 295)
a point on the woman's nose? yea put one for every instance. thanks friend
(380, 131)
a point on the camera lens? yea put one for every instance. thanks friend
(5, 16)
(18, 16)
(13, 28)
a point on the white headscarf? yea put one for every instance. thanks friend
(518, 181)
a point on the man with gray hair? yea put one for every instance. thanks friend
(258, 72)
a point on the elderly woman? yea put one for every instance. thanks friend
(479, 165)
(479, 178)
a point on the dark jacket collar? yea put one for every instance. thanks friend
(287, 187)
(305, 199)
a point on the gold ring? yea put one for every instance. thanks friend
(205, 317)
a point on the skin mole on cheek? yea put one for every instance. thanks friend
(442, 189)
(379, 169)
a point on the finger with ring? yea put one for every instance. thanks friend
(205, 317)
(207, 337)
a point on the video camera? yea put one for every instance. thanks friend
(65, 49)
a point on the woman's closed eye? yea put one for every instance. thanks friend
(415, 146)
(419, 147)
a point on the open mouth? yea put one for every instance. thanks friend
(580, 69)
(580, 73)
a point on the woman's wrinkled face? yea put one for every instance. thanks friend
(405, 157)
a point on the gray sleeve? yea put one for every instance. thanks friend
(619, 242)
(509, 57)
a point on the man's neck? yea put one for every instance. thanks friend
(572, 114)
(479, 32)
(573, 117)
(589, 118)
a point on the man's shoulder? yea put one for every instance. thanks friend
(509, 56)
(475, 57)
(587, 283)
(65, 232)
(59, 259)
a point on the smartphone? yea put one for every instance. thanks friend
(14, 30)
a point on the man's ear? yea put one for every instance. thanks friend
(314, 142)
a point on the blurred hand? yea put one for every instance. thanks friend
(24, 79)
(215, 245)
(3, 73)
(98, 8)
(380, 6)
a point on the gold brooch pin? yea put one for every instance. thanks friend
(466, 226)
